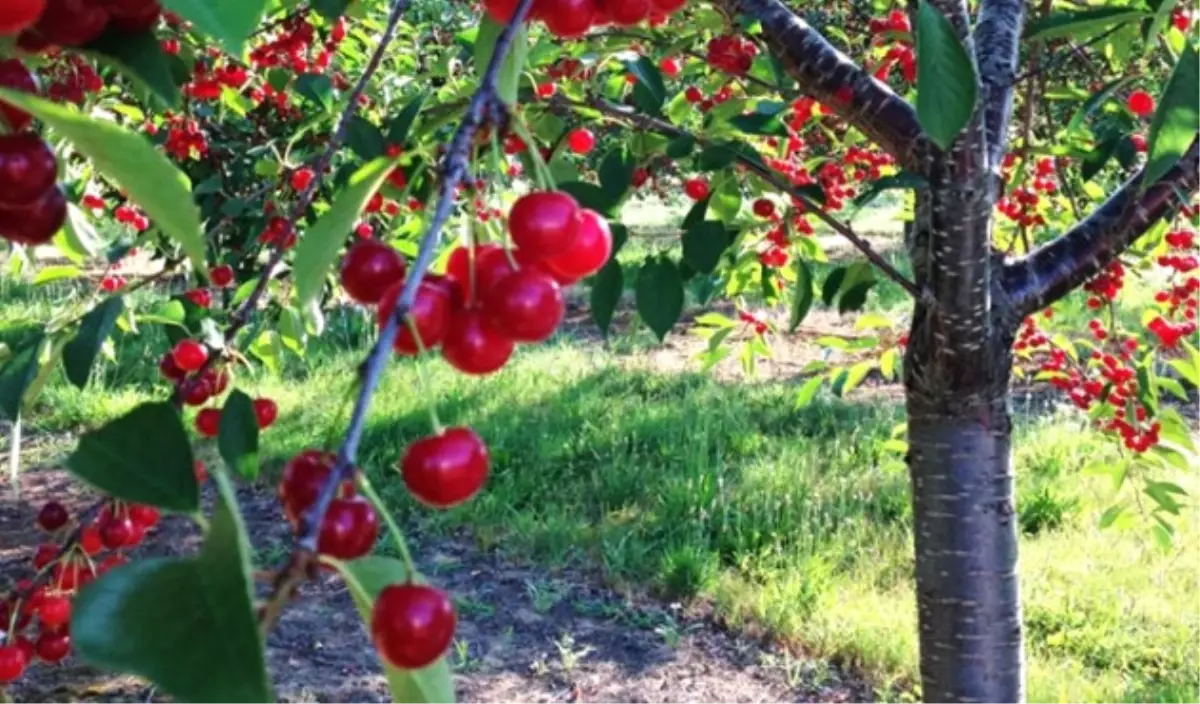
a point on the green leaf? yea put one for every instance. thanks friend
(319, 247)
(1186, 370)
(833, 284)
(947, 95)
(905, 180)
(400, 125)
(58, 272)
(607, 286)
(651, 81)
(77, 239)
(1080, 23)
(228, 21)
(1174, 125)
(855, 376)
(695, 214)
(1173, 386)
(764, 121)
(616, 174)
(1095, 101)
(1110, 515)
(703, 245)
(365, 578)
(187, 625)
(715, 157)
(659, 294)
(80, 353)
(588, 195)
(238, 435)
(681, 146)
(803, 299)
(726, 198)
(509, 79)
(887, 363)
(330, 9)
(365, 139)
(17, 373)
(854, 297)
(809, 390)
(144, 457)
(139, 56)
(1162, 15)
(316, 88)
(134, 164)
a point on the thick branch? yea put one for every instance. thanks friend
(1057, 268)
(825, 73)
(997, 45)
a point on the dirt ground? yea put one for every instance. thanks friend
(524, 634)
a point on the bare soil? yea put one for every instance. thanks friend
(524, 634)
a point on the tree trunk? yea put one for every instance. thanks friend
(965, 536)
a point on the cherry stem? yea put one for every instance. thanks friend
(484, 105)
(422, 374)
(364, 485)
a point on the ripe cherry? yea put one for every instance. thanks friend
(72, 22)
(581, 140)
(208, 422)
(13, 662)
(627, 12)
(221, 276)
(134, 15)
(1140, 103)
(189, 355)
(197, 391)
(116, 532)
(302, 178)
(37, 223)
(764, 208)
(544, 222)
(500, 10)
(527, 306)
(568, 18)
(53, 647)
(15, 75)
(369, 269)
(696, 188)
(303, 477)
(473, 346)
(447, 469)
(44, 555)
(265, 412)
(669, 66)
(668, 6)
(52, 516)
(16, 15)
(349, 529)
(429, 314)
(412, 624)
(589, 253)
(54, 611)
(144, 516)
(28, 169)
(90, 541)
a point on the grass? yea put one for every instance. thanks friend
(793, 520)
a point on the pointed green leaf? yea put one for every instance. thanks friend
(695, 214)
(58, 272)
(1095, 101)
(1079, 23)
(803, 299)
(703, 245)
(1174, 125)
(659, 295)
(316, 88)
(132, 162)
(187, 625)
(947, 87)
(140, 56)
(588, 195)
(509, 79)
(80, 353)
(144, 457)
(726, 199)
(607, 287)
(854, 297)
(238, 436)
(365, 139)
(228, 21)
(681, 146)
(78, 239)
(616, 174)
(833, 284)
(17, 373)
(330, 9)
(809, 390)
(887, 363)
(402, 123)
(319, 247)
(855, 376)
(365, 578)
(651, 81)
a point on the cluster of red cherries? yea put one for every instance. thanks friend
(573, 18)
(40, 24)
(187, 366)
(39, 609)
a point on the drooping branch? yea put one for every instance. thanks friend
(997, 46)
(1052, 271)
(646, 122)
(838, 83)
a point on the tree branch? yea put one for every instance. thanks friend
(997, 45)
(824, 72)
(646, 122)
(1058, 267)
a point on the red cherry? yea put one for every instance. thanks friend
(429, 315)
(16, 15)
(412, 625)
(568, 18)
(72, 22)
(221, 276)
(473, 346)
(189, 355)
(369, 268)
(37, 223)
(500, 10)
(52, 516)
(627, 12)
(144, 516)
(1139, 143)
(265, 412)
(13, 662)
(669, 66)
(445, 470)
(589, 253)
(53, 647)
(134, 15)
(197, 391)
(54, 611)
(115, 532)
(581, 140)
(349, 529)
(44, 555)
(303, 477)
(28, 169)
(527, 306)
(200, 473)
(696, 188)
(764, 208)
(208, 422)
(90, 540)
(544, 222)
(15, 75)
(1140, 103)
(668, 6)
(302, 178)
